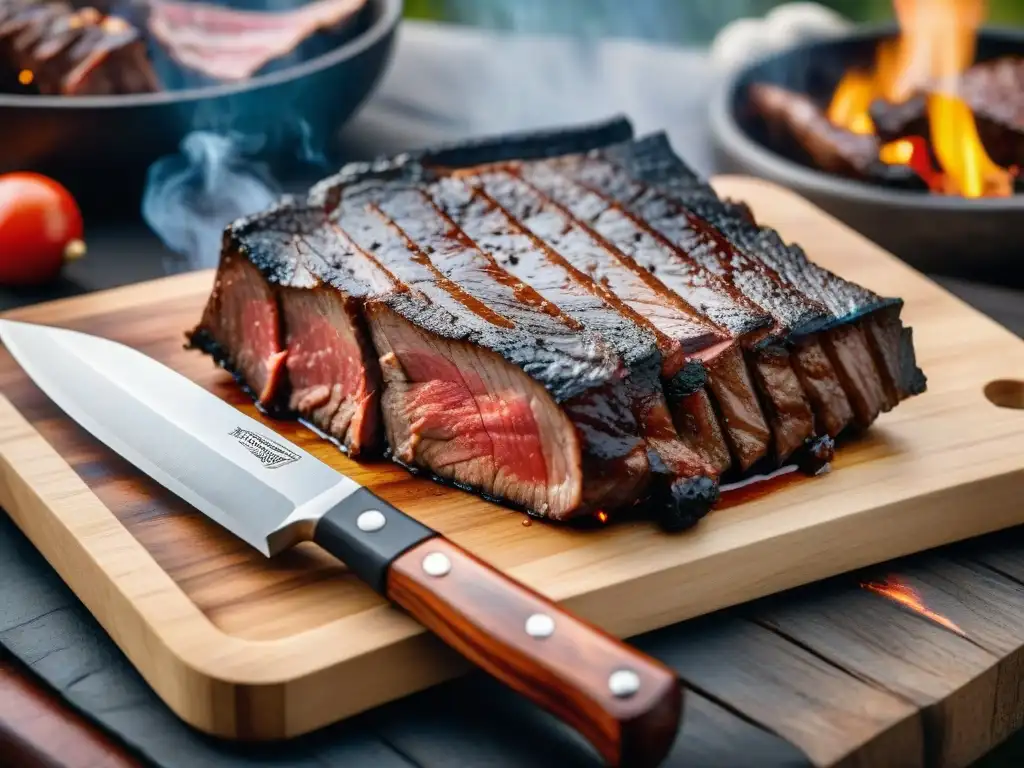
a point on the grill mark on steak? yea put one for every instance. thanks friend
(564, 360)
(635, 291)
(687, 492)
(699, 240)
(745, 425)
(610, 264)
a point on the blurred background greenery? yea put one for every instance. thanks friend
(679, 21)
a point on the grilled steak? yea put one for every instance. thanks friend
(802, 129)
(570, 333)
(73, 51)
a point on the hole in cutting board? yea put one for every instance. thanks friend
(1006, 393)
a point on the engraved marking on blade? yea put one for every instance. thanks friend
(271, 455)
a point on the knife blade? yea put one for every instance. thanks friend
(272, 494)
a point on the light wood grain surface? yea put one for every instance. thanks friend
(246, 648)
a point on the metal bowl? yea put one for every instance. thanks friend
(100, 147)
(978, 238)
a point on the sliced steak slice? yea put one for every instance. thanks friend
(543, 422)
(462, 412)
(241, 328)
(847, 347)
(687, 489)
(820, 380)
(682, 286)
(332, 366)
(332, 370)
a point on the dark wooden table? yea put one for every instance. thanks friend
(917, 662)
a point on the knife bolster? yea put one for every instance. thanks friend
(368, 553)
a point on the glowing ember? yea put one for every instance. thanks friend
(899, 152)
(602, 516)
(936, 44)
(908, 597)
(25, 77)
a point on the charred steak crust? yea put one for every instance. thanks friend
(526, 145)
(677, 297)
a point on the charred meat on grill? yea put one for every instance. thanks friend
(71, 51)
(993, 89)
(800, 126)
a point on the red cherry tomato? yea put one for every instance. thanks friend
(40, 228)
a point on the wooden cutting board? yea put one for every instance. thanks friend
(243, 647)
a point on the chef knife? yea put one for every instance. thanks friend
(272, 494)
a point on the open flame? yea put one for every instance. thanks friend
(935, 46)
(908, 597)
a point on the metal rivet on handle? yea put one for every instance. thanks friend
(623, 683)
(540, 625)
(436, 564)
(371, 520)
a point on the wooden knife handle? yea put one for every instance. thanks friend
(625, 703)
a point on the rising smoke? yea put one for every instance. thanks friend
(215, 178)
(191, 196)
